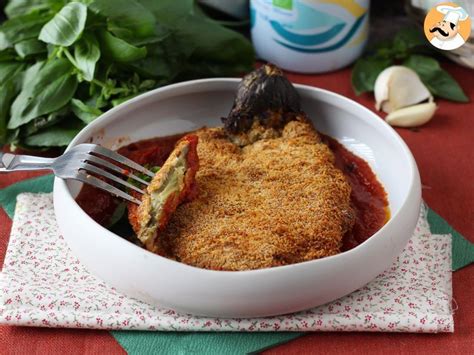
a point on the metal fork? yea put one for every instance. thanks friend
(84, 162)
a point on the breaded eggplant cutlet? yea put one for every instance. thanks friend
(171, 185)
(268, 193)
(277, 201)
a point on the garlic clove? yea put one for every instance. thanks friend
(397, 87)
(381, 85)
(412, 116)
(406, 89)
(386, 106)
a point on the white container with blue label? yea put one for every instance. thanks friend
(309, 36)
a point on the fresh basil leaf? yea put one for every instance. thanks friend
(107, 70)
(160, 34)
(422, 64)
(102, 102)
(16, 8)
(409, 38)
(163, 61)
(85, 113)
(31, 74)
(123, 90)
(442, 84)
(93, 99)
(238, 50)
(222, 47)
(174, 56)
(123, 33)
(55, 136)
(87, 2)
(20, 28)
(10, 84)
(129, 36)
(66, 26)
(51, 88)
(134, 20)
(365, 72)
(169, 12)
(9, 70)
(7, 94)
(23, 7)
(43, 122)
(119, 50)
(86, 54)
(30, 47)
(7, 55)
(147, 85)
(437, 80)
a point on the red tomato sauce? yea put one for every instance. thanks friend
(368, 197)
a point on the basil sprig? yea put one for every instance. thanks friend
(409, 48)
(63, 63)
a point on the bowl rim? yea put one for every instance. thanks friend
(60, 186)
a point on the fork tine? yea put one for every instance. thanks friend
(92, 180)
(118, 158)
(92, 168)
(108, 165)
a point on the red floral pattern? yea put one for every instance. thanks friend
(43, 284)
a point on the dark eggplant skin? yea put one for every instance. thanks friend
(265, 95)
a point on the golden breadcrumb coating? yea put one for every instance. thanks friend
(171, 185)
(277, 201)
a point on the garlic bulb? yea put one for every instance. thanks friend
(412, 116)
(397, 87)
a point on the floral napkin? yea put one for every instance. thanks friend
(44, 284)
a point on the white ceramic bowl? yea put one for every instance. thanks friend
(157, 280)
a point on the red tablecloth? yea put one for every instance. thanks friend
(444, 151)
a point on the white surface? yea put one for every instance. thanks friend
(157, 280)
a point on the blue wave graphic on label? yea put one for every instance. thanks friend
(299, 39)
(307, 40)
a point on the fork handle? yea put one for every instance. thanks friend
(13, 162)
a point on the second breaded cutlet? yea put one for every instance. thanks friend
(277, 201)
